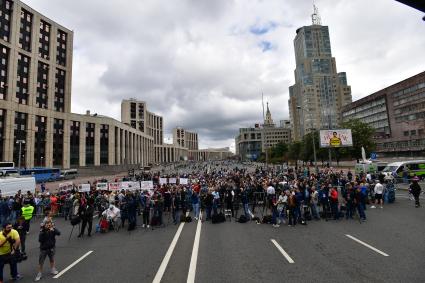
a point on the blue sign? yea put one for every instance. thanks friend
(373, 155)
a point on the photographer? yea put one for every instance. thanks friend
(47, 239)
(9, 243)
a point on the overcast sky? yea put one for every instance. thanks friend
(202, 64)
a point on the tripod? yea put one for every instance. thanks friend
(72, 230)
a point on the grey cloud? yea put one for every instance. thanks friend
(197, 63)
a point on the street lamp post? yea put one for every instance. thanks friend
(314, 152)
(20, 142)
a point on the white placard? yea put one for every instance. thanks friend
(83, 188)
(146, 185)
(102, 186)
(65, 186)
(336, 138)
(173, 181)
(162, 181)
(131, 186)
(184, 181)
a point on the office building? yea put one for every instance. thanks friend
(251, 142)
(319, 92)
(397, 113)
(37, 128)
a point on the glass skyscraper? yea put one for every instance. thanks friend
(319, 92)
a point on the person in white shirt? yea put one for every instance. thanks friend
(112, 214)
(379, 191)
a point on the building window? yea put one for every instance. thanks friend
(25, 30)
(42, 82)
(4, 62)
(133, 110)
(19, 139)
(141, 111)
(104, 141)
(2, 127)
(5, 15)
(133, 124)
(59, 104)
(74, 141)
(141, 126)
(57, 142)
(61, 48)
(22, 80)
(90, 144)
(44, 40)
(40, 141)
(413, 132)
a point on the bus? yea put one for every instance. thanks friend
(69, 174)
(42, 174)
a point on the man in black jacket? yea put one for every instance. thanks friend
(47, 239)
(86, 212)
(415, 189)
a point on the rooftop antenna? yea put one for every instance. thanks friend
(315, 17)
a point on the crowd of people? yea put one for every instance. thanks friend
(219, 190)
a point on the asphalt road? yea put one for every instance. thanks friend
(234, 252)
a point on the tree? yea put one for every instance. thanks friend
(294, 152)
(362, 135)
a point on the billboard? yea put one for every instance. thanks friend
(336, 138)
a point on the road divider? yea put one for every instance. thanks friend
(72, 265)
(366, 245)
(164, 263)
(282, 251)
(194, 259)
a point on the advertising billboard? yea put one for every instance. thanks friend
(336, 138)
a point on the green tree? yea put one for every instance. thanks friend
(362, 137)
(295, 150)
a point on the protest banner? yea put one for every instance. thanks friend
(102, 186)
(131, 186)
(162, 181)
(172, 181)
(114, 186)
(184, 181)
(66, 186)
(83, 188)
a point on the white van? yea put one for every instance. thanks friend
(69, 174)
(413, 167)
(11, 186)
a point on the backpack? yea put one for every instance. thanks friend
(242, 219)
(188, 219)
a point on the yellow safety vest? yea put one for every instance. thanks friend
(27, 212)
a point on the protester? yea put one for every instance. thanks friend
(9, 243)
(47, 239)
(415, 189)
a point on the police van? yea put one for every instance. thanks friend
(413, 167)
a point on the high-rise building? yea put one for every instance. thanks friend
(184, 138)
(319, 92)
(135, 114)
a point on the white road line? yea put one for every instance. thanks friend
(71, 265)
(195, 250)
(282, 251)
(366, 245)
(168, 255)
